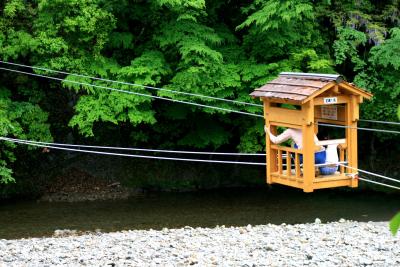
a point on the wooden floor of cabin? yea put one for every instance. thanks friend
(332, 177)
(321, 181)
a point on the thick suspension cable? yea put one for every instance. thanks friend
(132, 84)
(378, 183)
(133, 93)
(134, 156)
(179, 101)
(370, 173)
(359, 128)
(134, 149)
(382, 122)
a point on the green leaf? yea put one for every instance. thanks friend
(395, 224)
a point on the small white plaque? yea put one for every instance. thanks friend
(330, 100)
(329, 112)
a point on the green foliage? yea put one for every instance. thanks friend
(346, 47)
(21, 120)
(216, 48)
(395, 224)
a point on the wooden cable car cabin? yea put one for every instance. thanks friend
(319, 98)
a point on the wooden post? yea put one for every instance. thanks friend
(308, 146)
(352, 113)
(271, 154)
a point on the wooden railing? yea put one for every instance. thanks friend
(287, 165)
(284, 167)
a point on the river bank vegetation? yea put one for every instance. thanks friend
(218, 48)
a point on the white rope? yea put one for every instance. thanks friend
(133, 93)
(134, 149)
(378, 183)
(370, 173)
(359, 128)
(135, 156)
(383, 122)
(132, 84)
(177, 101)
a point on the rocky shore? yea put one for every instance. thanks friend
(343, 243)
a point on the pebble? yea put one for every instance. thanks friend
(343, 243)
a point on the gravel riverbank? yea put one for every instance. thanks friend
(343, 243)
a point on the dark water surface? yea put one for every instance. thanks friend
(237, 207)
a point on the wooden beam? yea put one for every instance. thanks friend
(271, 154)
(351, 137)
(290, 149)
(285, 115)
(318, 92)
(283, 124)
(355, 90)
(308, 147)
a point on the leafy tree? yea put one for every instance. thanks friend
(217, 48)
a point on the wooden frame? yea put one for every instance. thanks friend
(289, 171)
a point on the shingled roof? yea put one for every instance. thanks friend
(295, 85)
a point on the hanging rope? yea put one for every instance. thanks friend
(169, 99)
(133, 93)
(370, 173)
(378, 183)
(135, 149)
(131, 155)
(382, 122)
(132, 84)
(359, 128)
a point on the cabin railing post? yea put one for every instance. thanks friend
(271, 153)
(351, 136)
(308, 146)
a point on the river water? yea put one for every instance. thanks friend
(229, 207)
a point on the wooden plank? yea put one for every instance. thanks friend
(284, 101)
(355, 90)
(287, 125)
(290, 149)
(320, 91)
(308, 147)
(299, 81)
(280, 180)
(288, 164)
(285, 115)
(271, 153)
(280, 161)
(297, 165)
(330, 184)
(351, 137)
(333, 177)
(287, 89)
(341, 158)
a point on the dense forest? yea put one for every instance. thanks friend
(217, 48)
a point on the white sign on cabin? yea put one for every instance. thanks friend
(330, 100)
(329, 112)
